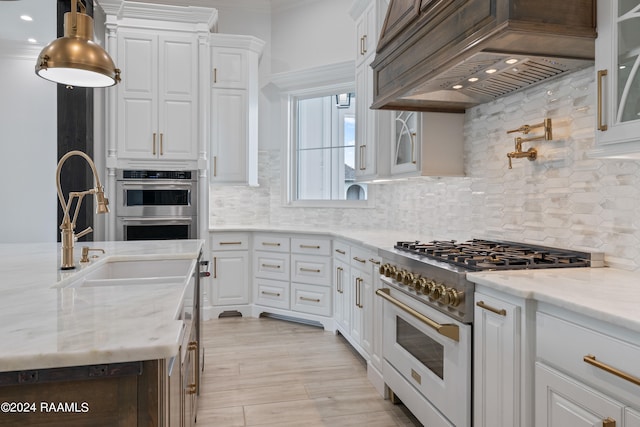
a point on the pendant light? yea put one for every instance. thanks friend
(75, 59)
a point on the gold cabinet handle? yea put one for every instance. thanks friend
(309, 246)
(448, 330)
(270, 265)
(360, 259)
(193, 345)
(215, 75)
(191, 389)
(339, 280)
(373, 261)
(413, 147)
(310, 270)
(154, 143)
(270, 244)
(161, 144)
(360, 293)
(363, 150)
(500, 311)
(215, 267)
(364, 44)
(341, 252)
(591, 360)
(608, 422)
(273, 294)
(230, 243)
(601, 126)
(310, 299)
(215, 165)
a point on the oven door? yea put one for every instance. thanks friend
(156, 228)
(152, 198)
(431, 351)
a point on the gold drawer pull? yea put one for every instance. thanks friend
(373, 261)
(448, 330)
(591, 360)
(191, 389)
(270, 266)
(230, 243)
(608, 422)
(500, 311)
(310, 270)
(310, 246)
(310, 299)
(273, 294)
(360, 259)
(270, 244)
(341, 252)
(193, 345)
(601, 126)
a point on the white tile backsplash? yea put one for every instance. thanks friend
(563, 199)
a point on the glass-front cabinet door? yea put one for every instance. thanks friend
(618, 79)
(405, 157)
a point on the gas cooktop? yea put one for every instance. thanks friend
(479, 255)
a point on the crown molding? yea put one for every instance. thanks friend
(122, 9)
(251, 43)
(341, 73)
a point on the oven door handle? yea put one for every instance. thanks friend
(448, 330)
(174, 220)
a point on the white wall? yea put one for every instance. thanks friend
(28, 147)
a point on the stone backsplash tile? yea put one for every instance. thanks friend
(563, 199)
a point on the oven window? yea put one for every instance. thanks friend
(156, 232)
(429, 352)
(157, 197)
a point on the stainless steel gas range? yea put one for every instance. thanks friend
(428, 317)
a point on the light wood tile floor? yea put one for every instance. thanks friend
(268, 372)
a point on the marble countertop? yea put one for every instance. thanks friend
(45, 325)
(607, 294)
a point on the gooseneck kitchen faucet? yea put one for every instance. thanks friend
(68, 225)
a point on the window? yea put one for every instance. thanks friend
(324, 148)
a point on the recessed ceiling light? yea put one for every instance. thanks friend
(491, 71)
(457, 86)
(32, 40)
(511, 61)
(622, 67)
(26, 18)
(473, 79)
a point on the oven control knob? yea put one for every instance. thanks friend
(383, 269)
(438, 291)
(390, 271)
(454, 298)
(400, 275)
(428, 286)
(409, 278)
(419, 284)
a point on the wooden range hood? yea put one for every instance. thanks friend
(428, 47)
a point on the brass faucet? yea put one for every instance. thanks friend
(531, 153)
(68, 236)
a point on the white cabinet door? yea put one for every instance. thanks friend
(367, 135)
(228, 135)
(342, 295)
(496, 362)
(631, 418)
(229, 68)
(178, 98)
(157, 101)
(366, 308)
(230, 284)
(406, 139)
(618, 79)
(366, 33)
(563, 402)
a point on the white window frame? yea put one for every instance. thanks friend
(309, 83)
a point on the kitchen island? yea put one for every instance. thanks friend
(97, 354)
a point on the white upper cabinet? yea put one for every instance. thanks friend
(234, 109)
(618, 79)
(158, 97)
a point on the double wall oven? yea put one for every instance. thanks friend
(156, 205)
(428, 307)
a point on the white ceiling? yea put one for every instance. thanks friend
(42, 28)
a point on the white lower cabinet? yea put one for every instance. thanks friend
(311, 299)
(271, 293)
(587, 372)
(229, 286)
(496, 362)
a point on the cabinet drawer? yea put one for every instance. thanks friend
(313, 246)
(341, 251)
(271, 265)
(360, 258)
(229, 241)
(311, 269)
(269, 242)
(272, 293)
(570, 347)
(311, 299)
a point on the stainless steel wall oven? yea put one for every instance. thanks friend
(156, 205)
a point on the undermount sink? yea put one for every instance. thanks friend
(138, 272)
